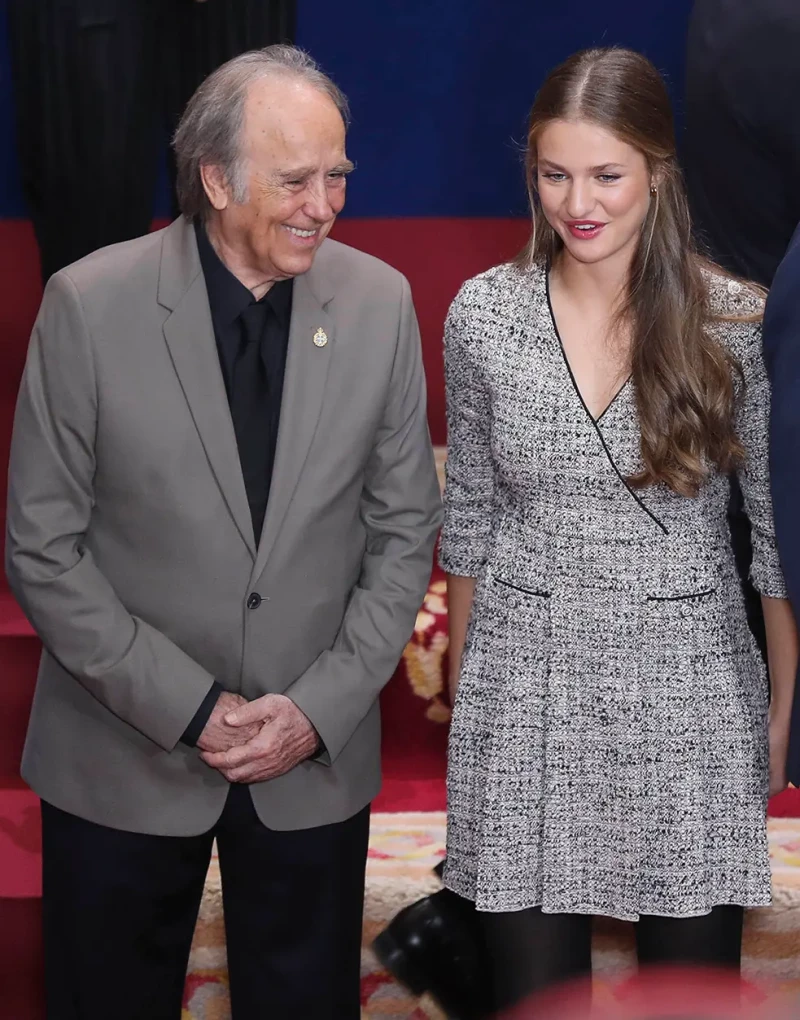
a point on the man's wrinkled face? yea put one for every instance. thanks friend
(294, 167)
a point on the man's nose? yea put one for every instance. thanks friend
(318, 204)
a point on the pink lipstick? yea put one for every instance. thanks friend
(584, 230)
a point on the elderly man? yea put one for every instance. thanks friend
(222, 512)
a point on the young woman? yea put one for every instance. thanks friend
(613, 740)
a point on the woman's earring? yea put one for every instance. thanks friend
(653, 189)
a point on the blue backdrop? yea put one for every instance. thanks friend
(440, 90)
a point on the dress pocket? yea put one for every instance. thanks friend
(686, 623)
(703, 694)
(536, 593)
(525, 642)
(507, 647)
(694, 596)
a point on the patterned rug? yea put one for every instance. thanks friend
(403, 850)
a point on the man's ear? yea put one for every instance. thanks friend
(215, 186)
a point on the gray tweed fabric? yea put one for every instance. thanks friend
(608, 751)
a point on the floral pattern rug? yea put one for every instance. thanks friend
(403, 850)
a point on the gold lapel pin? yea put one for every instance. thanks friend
(320, 337)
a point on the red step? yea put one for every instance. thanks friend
(20, 845)
(19, 661)
(21, 960)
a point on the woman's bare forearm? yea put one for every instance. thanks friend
(782, 653)
(460, 593)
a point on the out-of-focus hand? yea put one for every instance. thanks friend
(778, 750)
(220, 736)
(285, 738)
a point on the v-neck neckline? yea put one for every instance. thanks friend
(624, 385)
(595, 422)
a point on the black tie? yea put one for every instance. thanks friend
(250, 410)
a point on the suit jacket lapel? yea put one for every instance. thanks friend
(189, 334)
(306, 372)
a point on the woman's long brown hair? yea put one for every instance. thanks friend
(683, 378)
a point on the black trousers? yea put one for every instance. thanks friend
(119, 911)
(531, 951)
(99, 86)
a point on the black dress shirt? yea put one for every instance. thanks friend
(252, 341)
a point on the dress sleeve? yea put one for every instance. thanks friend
(469, 474)
(753, 429)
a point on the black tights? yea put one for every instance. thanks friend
(531, 951)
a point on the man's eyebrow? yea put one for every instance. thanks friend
(295, 175)
(300, 173)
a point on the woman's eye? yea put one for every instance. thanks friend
(553, 176)
(608, 178)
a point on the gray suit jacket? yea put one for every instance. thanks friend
(131, 551)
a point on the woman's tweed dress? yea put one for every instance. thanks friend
(608, 751)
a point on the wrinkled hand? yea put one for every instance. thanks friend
(285, 737)
(218, 735)
(778, 750)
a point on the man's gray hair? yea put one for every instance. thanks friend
(209, 133)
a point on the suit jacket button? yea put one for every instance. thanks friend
(253, 601)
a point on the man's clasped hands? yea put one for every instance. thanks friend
(252, 741)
